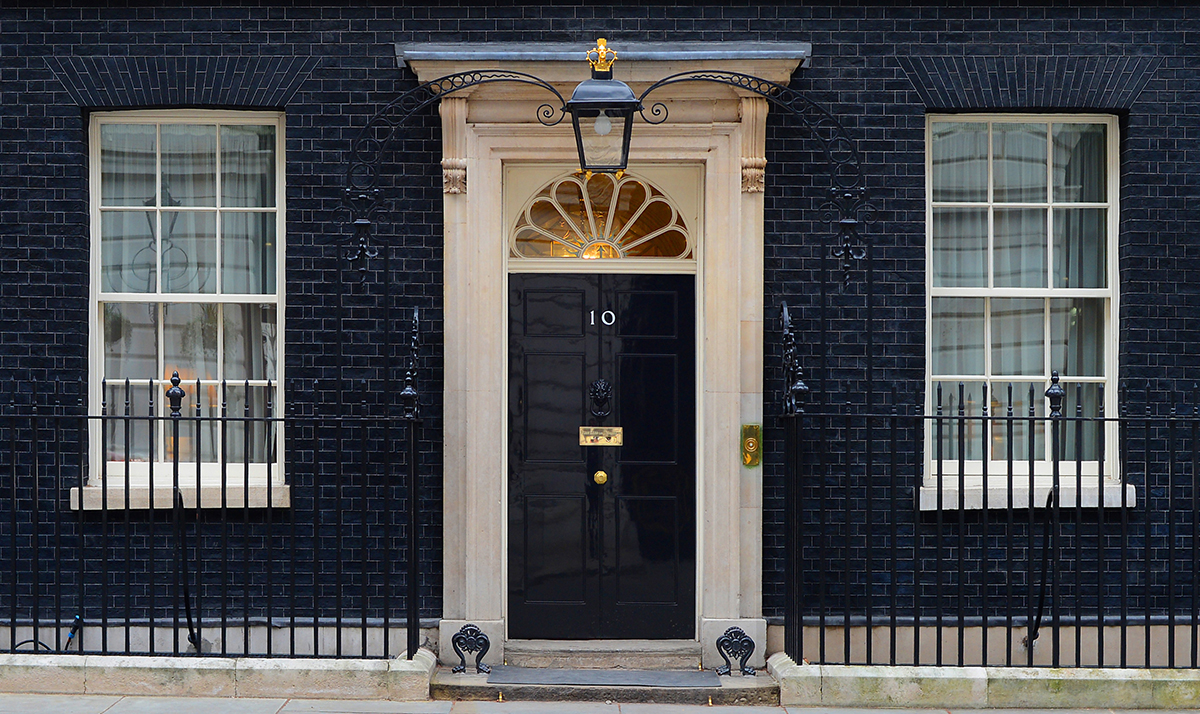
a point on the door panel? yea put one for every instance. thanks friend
(617, 559)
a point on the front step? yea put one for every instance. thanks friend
(734, 690)
(603, 654)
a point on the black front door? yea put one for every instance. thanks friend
(602, 537)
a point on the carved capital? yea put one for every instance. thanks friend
(754, 140)
(454, 144)
(454, 175)
(754, 171)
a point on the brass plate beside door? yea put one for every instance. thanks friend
(751, 444)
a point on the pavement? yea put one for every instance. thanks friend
(100, 704)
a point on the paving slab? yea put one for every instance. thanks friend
(341, 706)
(534, 708)
(696, 709)
(195, 705)
(55, 704)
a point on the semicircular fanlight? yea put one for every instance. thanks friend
(600, 217)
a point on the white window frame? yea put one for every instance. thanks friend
(967, 490)
(129, 482)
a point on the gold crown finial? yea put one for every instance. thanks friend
(600, 57)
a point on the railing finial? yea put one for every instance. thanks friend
(175, 394)
(1055, 394)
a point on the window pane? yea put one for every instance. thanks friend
(1080, 248)
(1018, 336)
(190, 337)
(1019, 162)
(1077, 336)
(1018, 430)
(252, 434)
(189, 165)
(958, 437)
(189, 247)
(1081, 438)
(248, 253)
(1080, 163)
(957, 338)
(960, 247)
(1020, 243)
(127, 164)
(250, 340)
(960, 161)
(130, 340)
(128, 254)
(133, 402)
(197, 437)
(248, 166)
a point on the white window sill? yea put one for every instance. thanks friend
(1091, 495)
(236, 496)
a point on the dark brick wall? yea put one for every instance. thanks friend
(877, 67)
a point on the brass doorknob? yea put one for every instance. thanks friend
(600, 477)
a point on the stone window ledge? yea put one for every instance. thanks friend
(1089, 496)
(96, 498)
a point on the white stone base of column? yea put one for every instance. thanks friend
(447, 629)
(710, 630)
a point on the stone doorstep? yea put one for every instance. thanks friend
(602, 654)
(983, 687)
(734, 690)
(397, 679)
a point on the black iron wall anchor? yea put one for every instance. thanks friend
(470, 639)
(409, 398)
(737, 644)
(795, 391)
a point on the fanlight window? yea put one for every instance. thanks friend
(600, 217)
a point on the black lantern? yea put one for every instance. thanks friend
(602, 111)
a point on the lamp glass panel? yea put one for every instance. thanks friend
(602, 139)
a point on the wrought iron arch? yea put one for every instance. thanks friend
(361, 193)
(846, 206)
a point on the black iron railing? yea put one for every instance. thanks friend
(254, 531)
(1052, 533)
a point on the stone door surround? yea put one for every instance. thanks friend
(714, 127)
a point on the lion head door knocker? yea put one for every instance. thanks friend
(601, 395)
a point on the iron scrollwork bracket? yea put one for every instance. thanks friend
(470, 639)
(735, 643)
(847, 206)
(362, 195)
